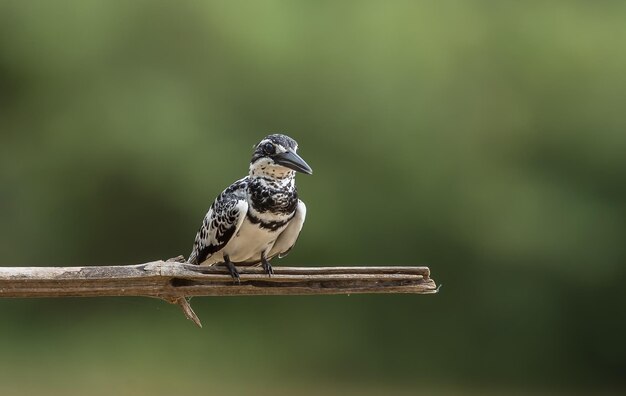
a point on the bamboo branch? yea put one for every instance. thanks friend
(175, 282)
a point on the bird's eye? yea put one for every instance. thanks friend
(269, 148)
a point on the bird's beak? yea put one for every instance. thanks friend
(291, 160)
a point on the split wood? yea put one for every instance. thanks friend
(175, 282)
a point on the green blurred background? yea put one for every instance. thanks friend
(484, 139)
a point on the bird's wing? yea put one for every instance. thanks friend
(221, 222)
(287, 239)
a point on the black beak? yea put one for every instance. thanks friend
(293, 161)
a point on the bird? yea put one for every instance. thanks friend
(258, 217)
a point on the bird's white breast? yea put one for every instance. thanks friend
(247, 245)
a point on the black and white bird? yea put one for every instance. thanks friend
(258, 217)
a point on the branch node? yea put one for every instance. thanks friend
(183, 303)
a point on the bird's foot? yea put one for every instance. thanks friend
(267, 266)
(233, 271)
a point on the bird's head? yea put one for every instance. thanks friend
(275, 156)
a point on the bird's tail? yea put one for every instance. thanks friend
(193, 257)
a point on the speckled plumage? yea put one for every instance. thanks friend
(257, 217)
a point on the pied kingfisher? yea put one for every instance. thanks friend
(258, 217)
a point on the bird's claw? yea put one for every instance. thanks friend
(267, 267)
(233, 271)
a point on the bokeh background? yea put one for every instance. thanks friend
(484, 139)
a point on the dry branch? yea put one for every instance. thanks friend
(175, 282)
